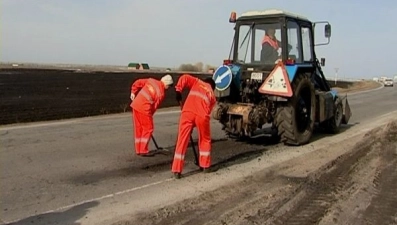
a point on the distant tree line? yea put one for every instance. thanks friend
(197, 67)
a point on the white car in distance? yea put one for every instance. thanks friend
(388, 82)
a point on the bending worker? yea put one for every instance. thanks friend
(146, 96)
(195, 113)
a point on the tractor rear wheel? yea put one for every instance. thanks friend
(295, 119)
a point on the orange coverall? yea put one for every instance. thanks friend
(149, 94)
(195, 113)
(273, 43)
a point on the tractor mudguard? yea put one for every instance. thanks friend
(293, 69)
(326, 106)
(346, 110)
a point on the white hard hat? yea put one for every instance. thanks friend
(167, 80)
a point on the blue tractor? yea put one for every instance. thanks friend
(273, 77)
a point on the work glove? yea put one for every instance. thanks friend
(178, 96)
(277, 61)
(132, 96)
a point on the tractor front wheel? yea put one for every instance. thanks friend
(333, 124)
(295, 119)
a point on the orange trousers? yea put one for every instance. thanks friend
(187, 122)
(143, 130)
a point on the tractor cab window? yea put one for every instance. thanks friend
(306, 44)
(293, 41)
(244, 47)
(259, 43)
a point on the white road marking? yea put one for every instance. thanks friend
(77, 120)
(95, 199)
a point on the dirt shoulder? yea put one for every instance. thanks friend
(264, 189)
(359, 86)
(354, 181)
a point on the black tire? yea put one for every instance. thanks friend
(292, 129)
(275, 138)
(333, 124)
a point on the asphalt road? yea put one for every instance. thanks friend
(48, 167)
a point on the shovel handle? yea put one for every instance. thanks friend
(155, 143)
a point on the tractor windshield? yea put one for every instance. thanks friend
(258, 43)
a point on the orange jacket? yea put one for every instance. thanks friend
(271, 42)
(149, 93)
(201, 98)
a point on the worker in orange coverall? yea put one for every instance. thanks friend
(146, 96)
(195, 113)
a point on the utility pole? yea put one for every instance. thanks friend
(336, 74)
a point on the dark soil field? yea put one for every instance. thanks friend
(30, 95)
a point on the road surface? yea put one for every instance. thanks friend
(84, 170)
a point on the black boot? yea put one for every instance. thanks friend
(177, 175)
(149, 154)
(205, 170)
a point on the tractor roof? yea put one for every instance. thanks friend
(271, 12)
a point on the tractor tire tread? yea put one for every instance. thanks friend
(284, 117)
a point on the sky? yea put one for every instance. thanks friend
(167, 33)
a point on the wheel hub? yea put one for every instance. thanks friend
(302, 115)
(338, 115)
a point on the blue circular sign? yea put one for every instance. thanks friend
(223, 77)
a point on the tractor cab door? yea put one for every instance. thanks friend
(299, 42)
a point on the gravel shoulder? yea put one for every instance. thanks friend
(359, 86)
(353, 180)
(260, 191)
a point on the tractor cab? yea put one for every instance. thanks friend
(263, 38)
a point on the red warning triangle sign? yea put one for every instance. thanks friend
(277, 83)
